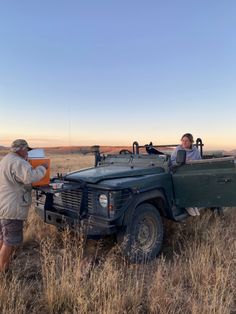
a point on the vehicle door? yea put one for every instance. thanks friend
(205, 183)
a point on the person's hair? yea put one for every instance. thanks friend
(189, 136)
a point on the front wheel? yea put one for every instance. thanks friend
(143, 235)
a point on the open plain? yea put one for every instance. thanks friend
(57, 272)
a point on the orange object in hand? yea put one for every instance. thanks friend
(38, 162)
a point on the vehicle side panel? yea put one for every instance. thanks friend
(209, 183)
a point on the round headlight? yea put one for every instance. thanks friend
(103, 200)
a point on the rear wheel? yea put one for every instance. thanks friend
(143, 235)
(218, 210)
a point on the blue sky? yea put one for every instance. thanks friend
(111, 72)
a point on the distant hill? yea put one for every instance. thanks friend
(116, 149)
(84, 149)
(107, 150)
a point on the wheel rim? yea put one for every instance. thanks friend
(146, 235)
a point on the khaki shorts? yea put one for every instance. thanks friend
(11, 231)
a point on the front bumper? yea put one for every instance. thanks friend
(93, 226)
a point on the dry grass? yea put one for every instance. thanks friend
(61, 273)
(62, 163)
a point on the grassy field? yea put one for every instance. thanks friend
(63, 273)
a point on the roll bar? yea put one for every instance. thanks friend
(136, 146)
(199, 144)
(96, 148)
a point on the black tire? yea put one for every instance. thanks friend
(219, 211)
(143, 235)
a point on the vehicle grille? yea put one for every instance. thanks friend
(92, 201)
(70, 199)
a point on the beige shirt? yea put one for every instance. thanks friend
(16, 176)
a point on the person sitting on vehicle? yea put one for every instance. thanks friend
(192, 153)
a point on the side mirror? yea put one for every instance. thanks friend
(181, 157)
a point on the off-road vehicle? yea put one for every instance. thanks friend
(128, 193)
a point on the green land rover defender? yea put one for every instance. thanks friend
(129, 193)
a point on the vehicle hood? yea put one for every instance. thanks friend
(95, 175)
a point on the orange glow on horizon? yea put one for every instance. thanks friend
(52, 142)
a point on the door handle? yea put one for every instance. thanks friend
(224, 180)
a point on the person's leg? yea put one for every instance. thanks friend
(197, 212)
(5, 256)
(191, 211)
(12, 236)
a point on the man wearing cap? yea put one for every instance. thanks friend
(16, 176)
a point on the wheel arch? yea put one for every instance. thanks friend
(154, 197)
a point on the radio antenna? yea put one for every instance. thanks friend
(69, 132)
(69, 127)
